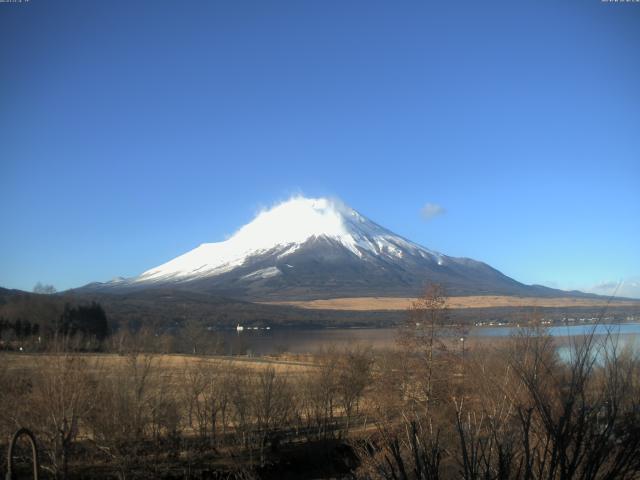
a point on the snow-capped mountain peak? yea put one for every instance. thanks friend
(282, 230)
(309, 248)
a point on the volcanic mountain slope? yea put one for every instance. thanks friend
(309, 248)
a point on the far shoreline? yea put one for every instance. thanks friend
(466, 302)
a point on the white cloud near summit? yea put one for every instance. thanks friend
(432, 210)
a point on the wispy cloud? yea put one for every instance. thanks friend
(432, 210)
(629, 287)
(606, 286)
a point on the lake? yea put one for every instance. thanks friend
(265, 342)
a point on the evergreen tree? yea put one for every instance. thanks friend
(84, 319)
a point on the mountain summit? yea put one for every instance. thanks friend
(282, 231)
(309, 248)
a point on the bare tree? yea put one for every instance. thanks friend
(193, 385)
(272, 406)
(319, 396)
(63, 396)
(411, 450)
(240, 391)
(579, 417)
(354, 377)
(119, 421)
(195, 335)
(44, 289)
(421, 337)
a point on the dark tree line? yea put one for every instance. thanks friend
(19, 328)
(88, 320)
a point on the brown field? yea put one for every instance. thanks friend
(167, 416)
(174, 363)
(402, 303)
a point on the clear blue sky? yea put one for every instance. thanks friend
(132, 131)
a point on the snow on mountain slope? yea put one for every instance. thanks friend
(315, 248)
(309, 248)
(282, 230)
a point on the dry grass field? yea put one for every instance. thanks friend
(489, 301)
(161, 416)
(174, 363)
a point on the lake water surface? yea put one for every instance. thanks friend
(264, 342)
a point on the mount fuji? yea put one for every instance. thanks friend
(313, 248)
